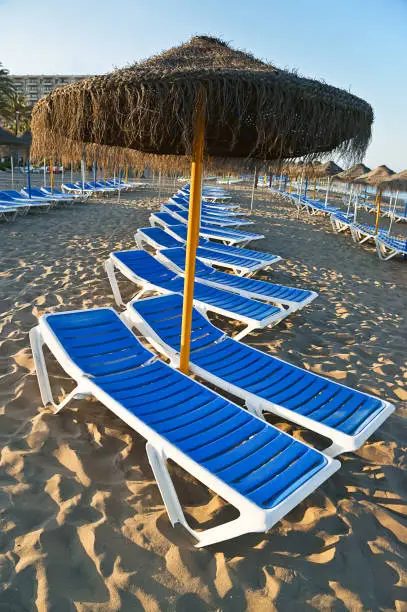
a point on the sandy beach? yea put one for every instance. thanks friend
(83, 526)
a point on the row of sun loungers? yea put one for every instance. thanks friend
(261, 470)
(387, 246)
(43, 199)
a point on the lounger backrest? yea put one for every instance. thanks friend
(34, 192)
(181, 231)
(11, 193)
(177, 257)
(166, 218)
(164, 316)
(161, 237)
(145, 265)
(98, 342)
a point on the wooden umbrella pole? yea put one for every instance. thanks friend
(378, 203)
(194, 221)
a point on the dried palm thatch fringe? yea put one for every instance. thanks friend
(396, 182)
(253, 110)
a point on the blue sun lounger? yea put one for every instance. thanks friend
(76, 188)
(220, 209)
(179, 213)
(260, 470)
(241, 265)
(290, 297)
(25, 204)
(179, 232)
(212, 194)
(212, 232)
(389, 246)
(73, 197)
(152, 276)
(39, 195)
(266, 383)
(361, 232)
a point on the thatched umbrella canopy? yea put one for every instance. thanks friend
(396, 182)
(328, 169)
(252, 108)
(202, 97)
(374, 177)
(349, 175)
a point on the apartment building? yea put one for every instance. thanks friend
(34, 86)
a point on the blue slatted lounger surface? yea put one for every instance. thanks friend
(180, 231)
(344, 415)
(208, 231)
(234, 260)
(150, 274)
(250, 287)
(261, 470)
(218, 220)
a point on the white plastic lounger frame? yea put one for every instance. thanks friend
(252, 518)
(7, 213)
(112, 263)
(388, 247)
(339, 225)
(341, 442)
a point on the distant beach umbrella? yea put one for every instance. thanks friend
(374, 178)
(349, 175)
(395, 182)
(203, 97)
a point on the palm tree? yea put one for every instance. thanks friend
(6, 88)
(17, 113)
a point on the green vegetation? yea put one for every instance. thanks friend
(15, 111)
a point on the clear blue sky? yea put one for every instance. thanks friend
(359, 45)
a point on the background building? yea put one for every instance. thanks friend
(34, 86)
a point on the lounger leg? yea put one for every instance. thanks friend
(243, 524)
(40, 366)
(253, 409)
(109, 267)
(138, 241)
(36, 342)
(167, 489)
(244, 332)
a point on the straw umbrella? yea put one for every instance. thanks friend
(349, 175)
(203, 96)
(394, 183)
(328, 171)
(374, 178)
